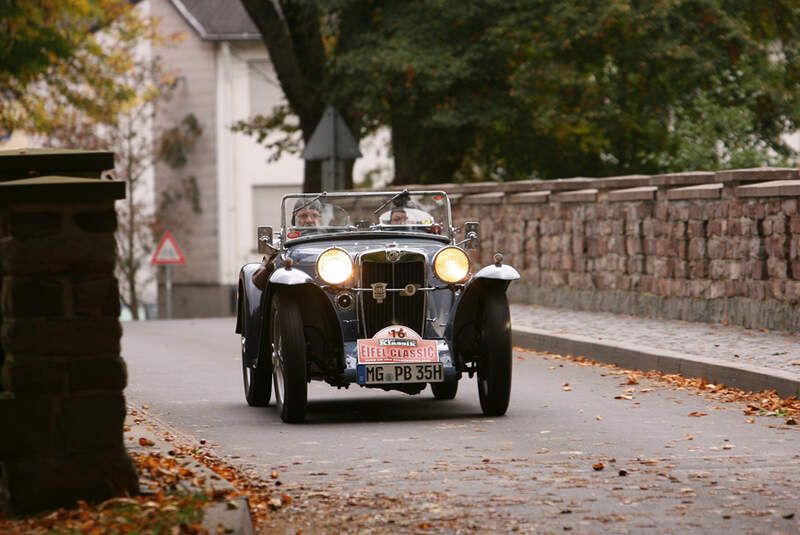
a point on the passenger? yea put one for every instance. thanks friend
(398, 217)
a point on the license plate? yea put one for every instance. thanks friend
(415, 372)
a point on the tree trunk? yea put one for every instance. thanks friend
(427, 156)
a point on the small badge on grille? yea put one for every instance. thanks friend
(393, 255)
(378, 291)
(410, 289)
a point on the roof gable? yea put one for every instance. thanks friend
(218, 20)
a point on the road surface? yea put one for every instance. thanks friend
(573, 454)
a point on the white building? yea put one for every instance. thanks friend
(226, 76)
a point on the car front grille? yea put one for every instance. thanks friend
(396, 309)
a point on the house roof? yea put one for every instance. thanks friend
(214, 20)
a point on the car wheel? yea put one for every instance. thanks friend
(257, 381)
(445, 390)
(494, 367)
(288, 358)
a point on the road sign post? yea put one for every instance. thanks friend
(168, 254)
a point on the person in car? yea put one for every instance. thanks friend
(307, 214)
(398, 217)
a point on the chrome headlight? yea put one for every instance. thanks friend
(451, 264)
(334, 266)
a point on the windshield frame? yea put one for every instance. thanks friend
(447, 230)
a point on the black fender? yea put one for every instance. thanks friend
(249, 313)
(324, 339)
(466, 315)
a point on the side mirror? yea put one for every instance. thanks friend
(265, 240)
(471, 234)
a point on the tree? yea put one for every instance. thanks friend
(506, 89)
(144, 85)
(49, 53)
(293, 35)
(617, 87)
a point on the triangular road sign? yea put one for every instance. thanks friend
(168, 251)
(331, 138)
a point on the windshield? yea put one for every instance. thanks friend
(415, 212)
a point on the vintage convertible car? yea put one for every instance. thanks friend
(372, 289)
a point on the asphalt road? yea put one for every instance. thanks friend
(374, 461)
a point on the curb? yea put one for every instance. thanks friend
(230, 517)
(744, 376)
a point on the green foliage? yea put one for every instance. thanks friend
(51, 58)
(506, 89)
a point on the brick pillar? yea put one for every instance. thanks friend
(61, 418)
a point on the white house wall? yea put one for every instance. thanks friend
(243, 163)
(196, 289)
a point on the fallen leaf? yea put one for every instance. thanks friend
(697, 414)
(598, 466)
(273, 475)
(689, 437)
(598, 417)
(623, 473)
(146, 442)
(632, 380)
(566, 388)
(623, 396)
(750, 420)
(791, 421)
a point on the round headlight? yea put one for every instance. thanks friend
(334, 266)
(451, 264)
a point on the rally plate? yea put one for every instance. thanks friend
(415, 372)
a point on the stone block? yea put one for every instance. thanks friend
(736, 270)
(796, 270)
(33, 224)
(716, 290)
(756, 270)
(87, 253)
(93, 421)
(716, 248)
(109, 374)
(75, 336)
(717, 227)
(96, 221)
(698, 269)
(756, 290)
(25, 297)
(680, 269)
(718, 269)
(30, 421)
(792, 294)
(696, 229)
(31, 375)
(776, 269)
(52, 480)
(775, 247)
(794, 225)
(661, 212)
(776, 289)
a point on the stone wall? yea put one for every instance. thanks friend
(62, 414)
(703, 246)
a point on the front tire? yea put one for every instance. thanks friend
(494, 367)
(288, 358)
(444, 391)
(257, 381)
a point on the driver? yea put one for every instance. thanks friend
(307, 214)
